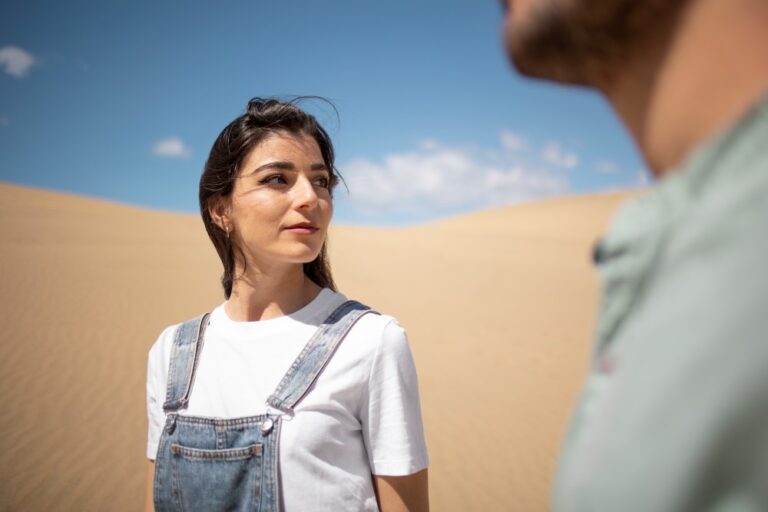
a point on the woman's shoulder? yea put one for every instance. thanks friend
(161, 348)
(378, 332)
(375, 322)
(385, 327)
(165, 340)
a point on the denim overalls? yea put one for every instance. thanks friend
(211, 464)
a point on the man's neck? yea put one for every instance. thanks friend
(709, 71)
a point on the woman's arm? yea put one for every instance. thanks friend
(402, 493)
(149, 503)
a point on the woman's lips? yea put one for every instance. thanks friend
(302, 229)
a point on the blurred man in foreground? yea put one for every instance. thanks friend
(674, 415)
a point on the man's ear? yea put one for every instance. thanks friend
(218, 209)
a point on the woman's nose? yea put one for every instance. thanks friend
(305, 193)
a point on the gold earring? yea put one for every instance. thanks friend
(226, 230)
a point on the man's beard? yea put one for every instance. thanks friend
(587, 42)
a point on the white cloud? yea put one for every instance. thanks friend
(556, 155)
(512, 141)
(607, 167)
(172, 147)
(16, 61)
(434, 178)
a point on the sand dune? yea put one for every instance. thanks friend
(498, 305)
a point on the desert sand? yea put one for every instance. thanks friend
(498, 305)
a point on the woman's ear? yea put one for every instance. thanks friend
(218, 209)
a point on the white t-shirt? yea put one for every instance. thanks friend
(362, 417)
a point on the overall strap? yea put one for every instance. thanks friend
(185, 353)
(316, 354)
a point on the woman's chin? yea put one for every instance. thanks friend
(291, 253)
(304, 255)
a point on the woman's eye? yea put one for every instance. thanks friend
(275, 179)
(322, 181)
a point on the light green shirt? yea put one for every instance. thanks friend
(674, 415)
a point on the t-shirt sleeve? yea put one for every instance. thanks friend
(156, 378)
(391, 417)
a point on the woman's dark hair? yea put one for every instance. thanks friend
(263, 117)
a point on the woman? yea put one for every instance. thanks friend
(287, 396)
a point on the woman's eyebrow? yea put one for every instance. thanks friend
(285, 165)
(320, 166)
(280, 164)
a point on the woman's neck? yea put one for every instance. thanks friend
(262, 295)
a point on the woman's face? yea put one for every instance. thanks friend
(281, 205)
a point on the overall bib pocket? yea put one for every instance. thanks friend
(227, 479)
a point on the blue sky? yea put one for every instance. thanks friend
(122, 100)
